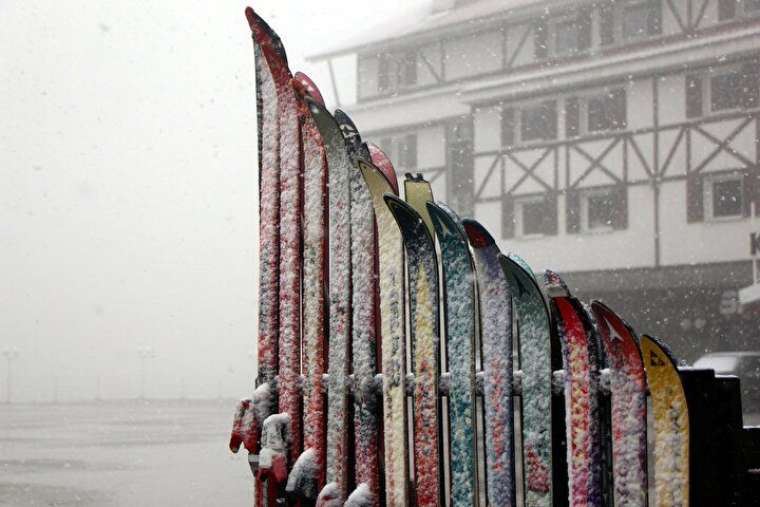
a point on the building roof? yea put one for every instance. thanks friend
(426, 18)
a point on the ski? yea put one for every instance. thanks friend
(581, 395)
(269, 239)
(534, 353)
(364, 315)
(459, 304)
(339, 291)
(495, 308)
(671, 424)
(307, 475)
(629, 407)
(422, 268)
(393, 350)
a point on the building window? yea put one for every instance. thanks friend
(396, 70)
(725, 91)
(566, 37)
(539, 122)
(722, 196)
(598, 209)
(640, 19)
(595, 113)
(529, 216)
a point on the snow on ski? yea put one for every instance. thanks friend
(534, 332)
(422, 268)
(269, 208)
(288, 353)
(579, 362)
(307, 476)
(629, 407)
(495, 306)
(363, 325)
(391, 259)
(459, 304)
(671, 425)
(339, 203)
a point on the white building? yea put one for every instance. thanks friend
(616, 142)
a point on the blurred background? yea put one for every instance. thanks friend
(615, 142)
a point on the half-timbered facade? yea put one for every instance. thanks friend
(614, 141)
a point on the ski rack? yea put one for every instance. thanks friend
(596, 383)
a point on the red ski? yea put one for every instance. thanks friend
(287, 157)
(308, 474)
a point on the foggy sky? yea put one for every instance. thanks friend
(128, 203)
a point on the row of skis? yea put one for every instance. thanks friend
(390, 369)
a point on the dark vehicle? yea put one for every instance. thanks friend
(745, 365)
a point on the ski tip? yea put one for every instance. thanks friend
(264, 35)
(250, 16)
(406, 216)
(654, 350)
(306, 87)
(396, 204)
(367, 167)
(478, 235)
(611, 318)
(382, 162)
(555, 285)
(445, 220)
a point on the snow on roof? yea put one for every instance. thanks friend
(422, 18)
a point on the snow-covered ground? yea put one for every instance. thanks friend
(125, 453)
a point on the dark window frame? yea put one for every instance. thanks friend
(709, 180)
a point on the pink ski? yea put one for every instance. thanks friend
(582, 423)
(289, 286)
(307, 476)
(628, 391)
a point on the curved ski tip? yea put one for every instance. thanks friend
(264, 34)
(478, 235)
(652, 342)
(309, 86)
(555, 285)
(396, 204)
(361, 497)
(613, 318)
(366, 166)
(522, 263)
(406, 216)
(382, 162)
(342, 118)
(446, 222)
